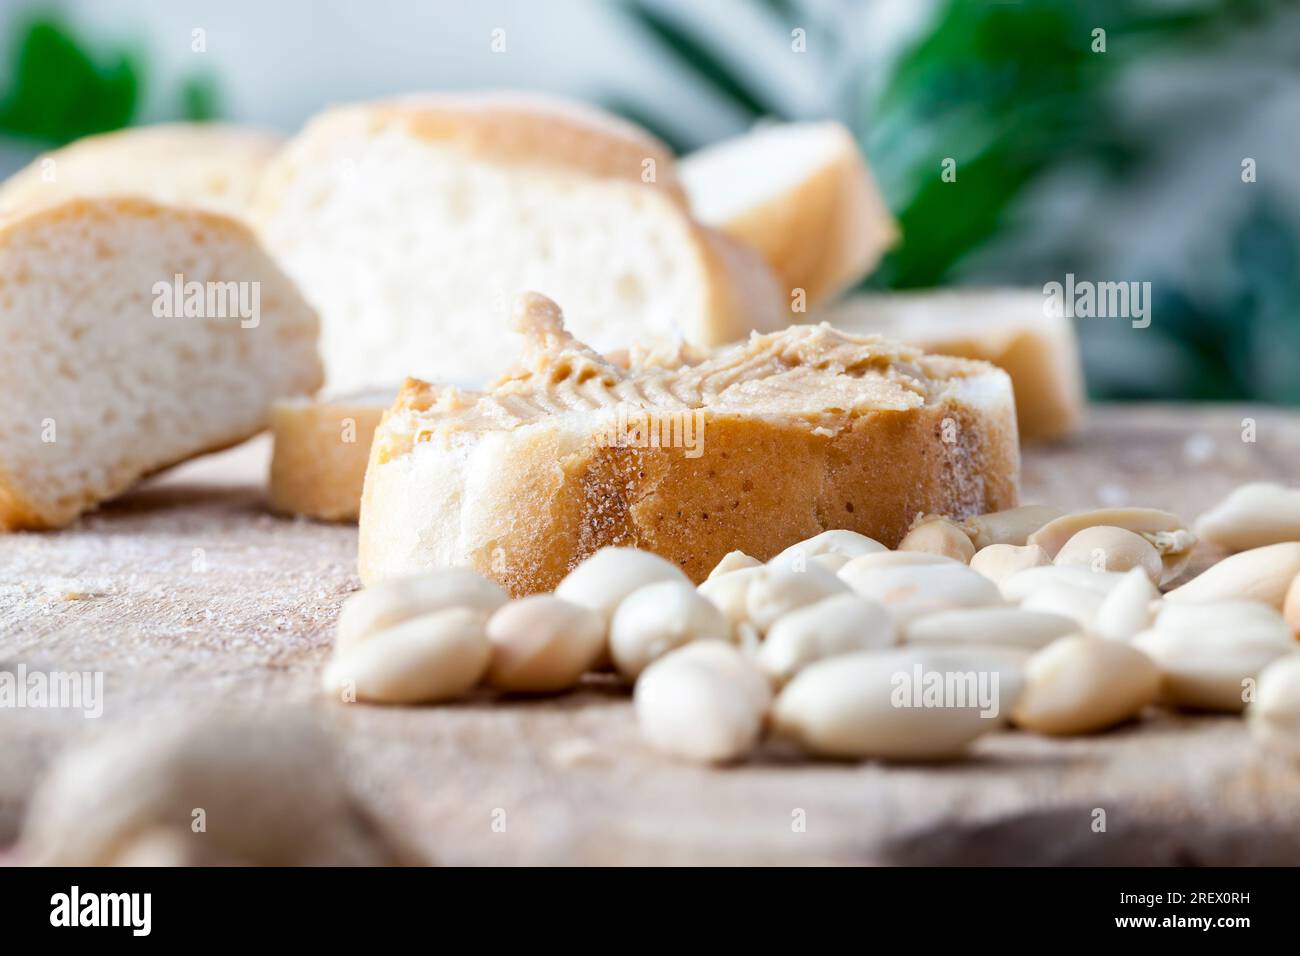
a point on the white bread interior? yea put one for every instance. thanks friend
(798, 431)
(800, 193)
(98, 390)
(213, 166)
(1011, 328)
(411, 224)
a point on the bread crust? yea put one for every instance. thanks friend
(824, 233)
(318, 465)
(218, 163)
(504, 127)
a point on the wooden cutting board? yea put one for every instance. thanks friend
(187, 590)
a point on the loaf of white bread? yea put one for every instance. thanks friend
(755, 448)
(411, 224)
(321, 447)
(136, 335)
(1011, 328)
(802, 195)
(211, 165)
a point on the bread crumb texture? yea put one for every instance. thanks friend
(751, 449)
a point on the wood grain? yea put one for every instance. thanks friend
(188, 591)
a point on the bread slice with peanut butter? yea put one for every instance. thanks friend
(753, 448)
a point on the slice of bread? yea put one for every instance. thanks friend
(411, 224)
(756, 448)
(802, 195)
(210, 165)
(318, 465)
(1009, 327)
(107, 375)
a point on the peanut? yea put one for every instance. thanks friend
(1079, 685)
(894, 559)
(1013, 526)
(835, 625)
(434, 657)
(733, 561)
(1254, 515)
(697, 707)
(1291, 606)
(1128, 609)
(1275, 714)
(1020, 585)
(603, 580)
(1166, 532)
(998, 562)
(657, 618)
(939, 536)
(729, 593)
(541, 644)
(391, 602)
(990, 625)
(1261, 574)
(1079, 604)
(912, 591)
(1107, 548)
(909, 704)
(778, 590)
(836, 541)
(731, 663)
(1209, 654)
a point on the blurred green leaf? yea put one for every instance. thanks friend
(200, 98)
(57, 92)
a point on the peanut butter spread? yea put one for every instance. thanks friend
(812, 373)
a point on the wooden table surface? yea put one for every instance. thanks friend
(187, 591)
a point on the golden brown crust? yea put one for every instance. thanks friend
(524, 482)
(318, 466)
(524, 129)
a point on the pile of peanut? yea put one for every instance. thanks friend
(1061, 614)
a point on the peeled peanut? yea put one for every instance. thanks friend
(1261, 574)
(990, 625)
(603, 580)
(657, 618)
(1079, 685)
(1013, 526)
(1079, 604)
(692, 705)
(835, 625)
(542, 644)
(939, 536)
(998, 562)
(912, 591)
(832, 561)
(909, 704)
(778, 590)
(1275, 714)
(893, 559)
(435, 657)
(391, 602)
(1291, 606)
(1128, 609)
(1106, 548)
(729, 593)
(1254, 515)
(733, 561)
(731, 663)
(836, 541)
(1166, 532)
(1209, 654)
(1024, 583)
